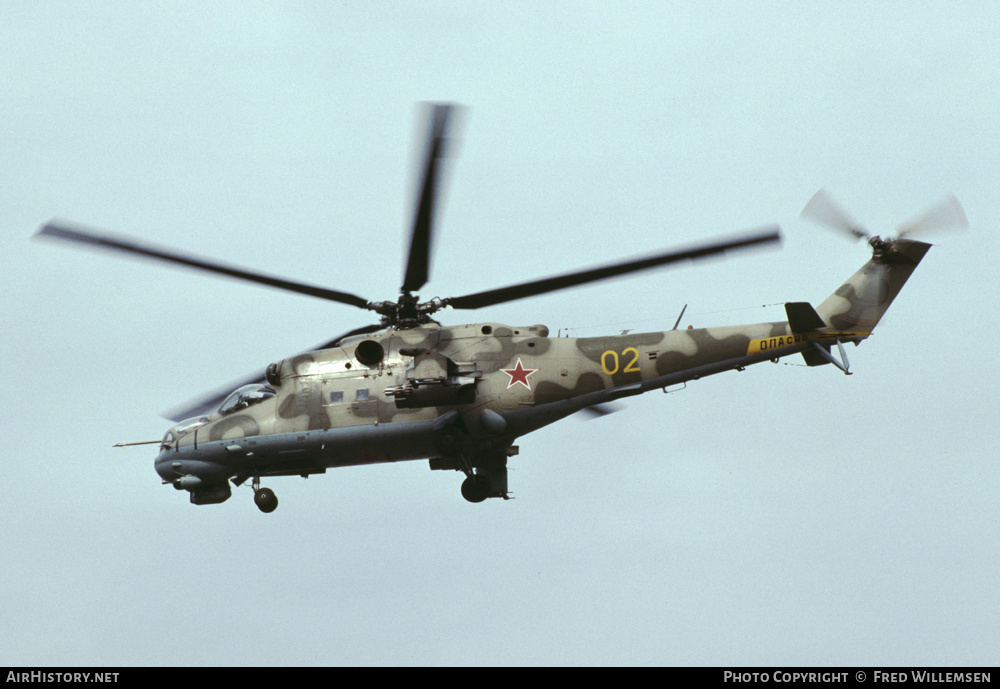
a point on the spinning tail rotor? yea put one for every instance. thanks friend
(862, 301)
(946, 214)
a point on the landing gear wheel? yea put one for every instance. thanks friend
(266, 500)
(476, 488)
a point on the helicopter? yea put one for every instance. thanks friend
(459, 396)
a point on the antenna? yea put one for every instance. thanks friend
(679, 317)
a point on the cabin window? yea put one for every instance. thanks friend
(336, 397)
(362, 395)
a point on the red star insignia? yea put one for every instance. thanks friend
(519, 374)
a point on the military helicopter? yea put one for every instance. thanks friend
(410, 388)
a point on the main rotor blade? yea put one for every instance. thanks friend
(946, 214)
(768, 235)
(418, 262)
(56, 229)
(822, 209)
(210, 401)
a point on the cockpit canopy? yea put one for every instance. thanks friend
(246, 396)
(182, 429)
(241, 398)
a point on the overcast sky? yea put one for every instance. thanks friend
(782, 515)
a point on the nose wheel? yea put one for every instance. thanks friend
(264, 498)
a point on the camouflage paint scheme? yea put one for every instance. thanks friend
(331, 410)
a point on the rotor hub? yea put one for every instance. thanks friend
(881, 247)
(407, 311)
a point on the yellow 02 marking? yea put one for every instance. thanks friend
(610, 362)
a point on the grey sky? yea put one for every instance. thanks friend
(781, 515)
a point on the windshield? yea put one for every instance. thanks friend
(168, 440)
(246, 396)
(182, 429)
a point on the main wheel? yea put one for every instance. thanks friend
(266, 500)
(476, 488)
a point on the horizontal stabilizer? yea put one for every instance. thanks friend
(802, 317)
(821, 354)
(814, 357)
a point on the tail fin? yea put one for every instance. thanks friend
(859, 304)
